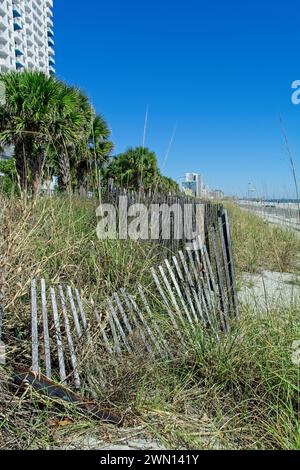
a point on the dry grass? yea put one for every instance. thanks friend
(259, 246)
(242, 393)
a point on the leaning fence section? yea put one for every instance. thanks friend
(191, 295)
(181, 217)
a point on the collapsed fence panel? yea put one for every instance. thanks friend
(193, 293)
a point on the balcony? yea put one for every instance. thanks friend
(18, 52)
(49, 3)
(19, 64)
(49, 23)
(51, 61)
(50, 33)
(51, 42)
(51, 51)
(51, 70)
(17, 25)
(16, 11)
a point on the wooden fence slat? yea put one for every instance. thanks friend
(136, 323)
(175, 283)
(186, 289)
(224, 310)
(60, 351)
(147, 328)
(74, 312)
(230, 259)
(114, 334)
(209, 283)
(203, 268)
(192, 286)
(226, 265)
(34, 328)
(69, 338)
(81, 310)
(1, 310)
(118, 325)
(207, 261)
(152, 320)
(83, 316)
(46, 329)
(123, 313)
(203, 293)
(167, 305)
(177, 309)
(199, 283)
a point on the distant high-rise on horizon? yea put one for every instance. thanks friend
(26, 36)
(194, 183)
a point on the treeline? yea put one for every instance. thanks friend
(54, 131)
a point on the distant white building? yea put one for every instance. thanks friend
(217, 194)
(194, 184)
(26, 35)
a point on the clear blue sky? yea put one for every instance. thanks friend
(219, 72)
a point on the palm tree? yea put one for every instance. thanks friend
(135, 169)
(70, 130)
(25, 118)
(100, 146)
(49, 121)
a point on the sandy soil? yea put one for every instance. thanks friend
(270, 289)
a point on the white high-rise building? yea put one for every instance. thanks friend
(194, 183)
(26, 35)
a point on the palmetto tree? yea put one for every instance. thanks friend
(25, 120)
(135, 169)
(70, 131)
(99, 145)
(48, 121)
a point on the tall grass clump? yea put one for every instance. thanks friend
(259, 246)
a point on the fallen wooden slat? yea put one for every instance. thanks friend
(147, 328)
(175, 283)
(117, 345)
(153, 321)
(46, 329)
(192, 287)
(136, 323)
(123, 313)
(203, 292)
(177, 309)
(74, 312)
(103, 332)
(34, 328)
(200, 285)
(81, 310)
(202, 263)
(60, 351)
(118, 325)
(1, 310)
(186, 290)
(167, 305)
(69, 338)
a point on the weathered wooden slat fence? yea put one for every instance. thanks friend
(190, 296)
(193, 293)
